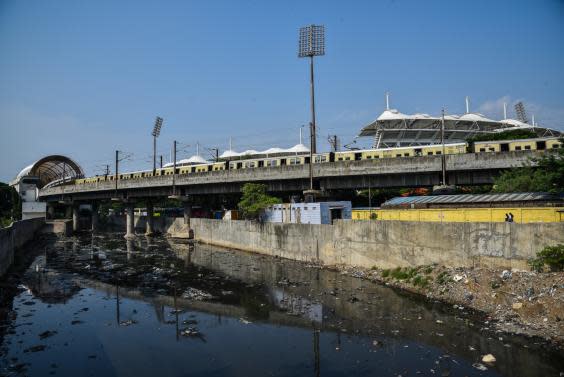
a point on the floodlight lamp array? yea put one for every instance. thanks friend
(157, 128)
(312, 41)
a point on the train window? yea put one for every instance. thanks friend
(429, 153)
(369, 157)
(376, 156)
(358, 156)
(260, 163)
(418, 152)
(517, 148)
(398, 154)
(482, 149)
(555, 146)
(527, 147)
(504, 147)
(283, 161)
(541, 145)
(406, 154)
(239, 165)
(492, 149)
(340, 159)
(347, 158)
(438, 152)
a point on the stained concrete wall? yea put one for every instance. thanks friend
(386, 244)
(14, 237)
(172, 226)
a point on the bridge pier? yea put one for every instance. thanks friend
(50, 211)
(187, 213)
(68, 212)
(150, 229)
(75, 218)
(130, 221)
(187, 216)
(94, 217)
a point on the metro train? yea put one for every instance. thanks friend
(351, 155)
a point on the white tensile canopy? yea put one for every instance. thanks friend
(296, 149)
(393, 128)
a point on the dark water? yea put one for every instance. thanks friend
(106, 306)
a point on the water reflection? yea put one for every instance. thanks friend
(216, 297)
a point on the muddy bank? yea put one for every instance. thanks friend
(516, 302)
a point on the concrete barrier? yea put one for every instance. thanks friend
(387, 244)
(14, 237)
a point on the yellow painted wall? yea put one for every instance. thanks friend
(457, 215)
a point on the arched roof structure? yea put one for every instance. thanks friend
(51, 169)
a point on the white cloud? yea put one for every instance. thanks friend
(544, 115)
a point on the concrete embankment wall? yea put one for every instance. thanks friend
(14, 237)
(387, 244)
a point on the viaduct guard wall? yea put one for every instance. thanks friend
(386, 244)
(14, 237)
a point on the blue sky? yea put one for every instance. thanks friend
(83, 78)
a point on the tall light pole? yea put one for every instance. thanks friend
(156, 132)
(312, 43)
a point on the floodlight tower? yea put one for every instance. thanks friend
(312, 43)
(156, 132)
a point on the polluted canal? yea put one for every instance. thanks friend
(106, 306)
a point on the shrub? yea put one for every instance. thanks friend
(385, 273)
(421, 281)
(551, 256)
(443, 278)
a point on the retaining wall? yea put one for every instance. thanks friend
(14, 237)
(386, 244)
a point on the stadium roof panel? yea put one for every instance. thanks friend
(393, 128)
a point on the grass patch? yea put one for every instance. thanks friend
(385, 273)
(421, 281)
(443, 278)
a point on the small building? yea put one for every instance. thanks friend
(309, 213)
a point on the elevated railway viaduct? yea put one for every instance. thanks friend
(462, 169)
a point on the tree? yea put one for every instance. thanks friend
(544, 174)
(10, 205)
(255, 200)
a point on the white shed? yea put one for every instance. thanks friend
(309, 213)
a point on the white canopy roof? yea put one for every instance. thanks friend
(298, 148)
(393, 128)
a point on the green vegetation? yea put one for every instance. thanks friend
(442, 278)
(421, 281)
(255, 200)
(10, 205)
(546, 176)
(505, 135)
(551, 256)
(409, 274)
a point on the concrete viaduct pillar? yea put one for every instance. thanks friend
(130, 220)
(68, 212)
(94, 217)
(187, 213)
(50, 211)
(150, 229)
(187, 217)
(75, 218)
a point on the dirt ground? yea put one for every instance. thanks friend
(517, 302)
